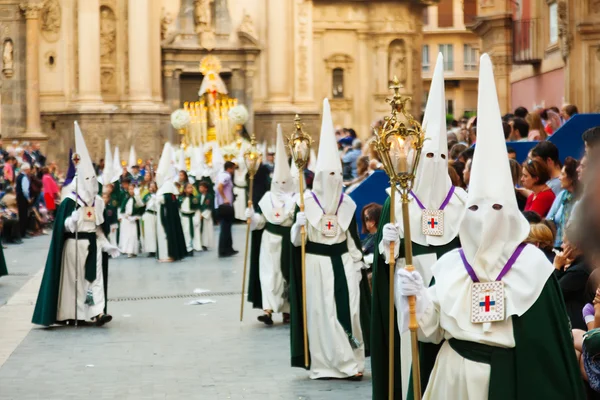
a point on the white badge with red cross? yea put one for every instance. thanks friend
(89, 214)
(329, 225)
(433, 222)
(487, 302)
(277, 215)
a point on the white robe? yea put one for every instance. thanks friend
(272, 283)
(149, 225)
(239, 190)
(192, 236)
(448, 316)
(66, 294)
(207, 226)
(330, 350)
(128, 236)
(453, 215)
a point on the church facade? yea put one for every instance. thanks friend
(120, 67)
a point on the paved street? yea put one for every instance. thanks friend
(157, 347)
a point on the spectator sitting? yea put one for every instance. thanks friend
(534, 178)
(536, 128)
(512, 153)
(349, 159)
(11, 232)
(591, 138)
(547, 153)
(456, 150)
(542, 237)
(515, 170)
(507, 130)
(520, 130)
(362, 170)
(370, 221)
(567, 112)
(521, 112)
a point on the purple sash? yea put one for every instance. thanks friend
(506, 268)
(321, 207)
(444, 204)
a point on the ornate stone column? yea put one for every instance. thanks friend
(32, 13)
(140, 82)
(172, 90)
(279, 53)
(88, 34)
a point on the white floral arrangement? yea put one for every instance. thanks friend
(229, 152)
(180, 119)
(238, 114)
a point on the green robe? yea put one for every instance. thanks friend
(296, 305)
(108, 221)
(47, 301)
(380, 320)
(194, 206)
(3, 269)
(254, 288)
(169, 217)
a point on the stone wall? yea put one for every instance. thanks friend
(265, 124)
(12, 76)
(146, 131)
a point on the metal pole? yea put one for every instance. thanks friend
(391, 309)
(248, 221)
(303, 256)
(76, 243)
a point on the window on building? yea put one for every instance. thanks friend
(425, 58)
(445, 14)
(426, 16)
(449, 106)
(338, 83)
(469, 11)
(447, 51)
(470, 58)
(553, 12)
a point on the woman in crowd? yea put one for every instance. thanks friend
(370, 221)
(563, 204)
(542, 237)
(534, 178)
(536, 128)
(515, 171)
(50, 190)
(362, 172)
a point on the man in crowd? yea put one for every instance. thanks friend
(349, 159)
(520, 129)
(567, 112)
(24, 200)
(224, 203)
(37, 155)
(547, 152)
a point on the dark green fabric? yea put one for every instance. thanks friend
(254, 289)
(169, 217)
(286, 247)
(105, 257)
(47, 300)
(3, 269)
(90, 260)
(190, 218)
(542, 365)
(380, 321)
(295, 296)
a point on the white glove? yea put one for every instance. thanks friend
(75, 216)
(161, 199)
(390, 233)
(300, 219)
(112, 251)
(249, 212)
(410, 284)
(136, 191)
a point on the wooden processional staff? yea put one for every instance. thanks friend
(399, 143)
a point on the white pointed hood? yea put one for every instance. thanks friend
(312, 161)
(295, 175)
(132, 159)
(87, 183)
(328, 181)
(281, 182)
(117, 168)
(165, 172)
(432, 182)
(107, 173)
(489, 235)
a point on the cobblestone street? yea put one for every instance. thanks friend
(157, 346)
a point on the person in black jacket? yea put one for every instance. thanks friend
(23, 197)
(573, 272)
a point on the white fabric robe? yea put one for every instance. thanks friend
(272, 282)
(149, 224)
(448, 316)
(453, 215)
(192, 238)
(239, 190)
(207, 225)
(128, 236)
(66, 295)
(330, 350)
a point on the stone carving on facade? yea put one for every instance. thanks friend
(565, 37)
(108, 45)
(397, 61)
(222, 18)
(247, 29)
(167, 27)
(32, 10)
(302, 51)
(203, 15)
(8, 59)
(595, 6)
(51, 20)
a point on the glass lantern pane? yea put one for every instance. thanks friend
(402, 153)
(301, 150)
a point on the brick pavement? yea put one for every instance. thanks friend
(164, 349)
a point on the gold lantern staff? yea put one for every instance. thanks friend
(299, 144)
(252, 159)
(399, 143)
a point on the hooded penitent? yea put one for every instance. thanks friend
(281, 182)
(493, 226)
(165, 172)
(70, 170)
(87, 184)
(312, 161)
(327, 185)
(432, 184)
(132, 159)
(107, 174)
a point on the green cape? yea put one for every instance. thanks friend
(380, 321)
(295, 295)
(47, 301)
(169, 217)
(3, 269)
(254, 289)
